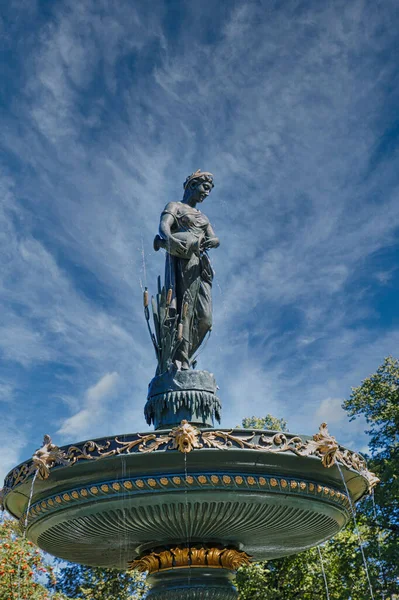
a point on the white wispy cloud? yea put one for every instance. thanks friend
(330, 410)
(6, 391)
(94, 407)
(13, 440)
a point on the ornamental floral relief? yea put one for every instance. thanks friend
(180, 557)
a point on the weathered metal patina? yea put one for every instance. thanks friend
(177, 395)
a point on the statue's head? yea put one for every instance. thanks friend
(198, 186)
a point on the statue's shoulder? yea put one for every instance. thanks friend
(173, 208)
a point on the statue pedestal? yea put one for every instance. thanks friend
(177, 395)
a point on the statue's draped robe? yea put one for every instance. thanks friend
(190, 278)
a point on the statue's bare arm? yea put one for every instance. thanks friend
(211, 241)
(166, 228)
(166, 224)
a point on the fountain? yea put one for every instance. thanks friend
(189, 503)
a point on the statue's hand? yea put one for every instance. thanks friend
(179, 246)
(211, 243)
(170, 244)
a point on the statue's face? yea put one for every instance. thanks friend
(200, 190)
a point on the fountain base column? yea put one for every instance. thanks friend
(192, 583)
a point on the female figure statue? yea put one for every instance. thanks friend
(186, 234)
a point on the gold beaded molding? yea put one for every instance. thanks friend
(178, 558)
(127, 487)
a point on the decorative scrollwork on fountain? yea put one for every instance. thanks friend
(46, 457)
(219, 558)
(225, 439)
(17, 476)
(324, 446)
(74, 453)
(185, 438)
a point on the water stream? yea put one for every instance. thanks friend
(224, 305)
(353, 511)
(324, 573)
(123, 528)
(187, 519)
(203, 346)
(29, 503)
(25, 527)
(144, 268)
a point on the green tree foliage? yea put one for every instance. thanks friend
(23, 572)
(94, 583)
(267, 422)
(377, 399)
(300, 576)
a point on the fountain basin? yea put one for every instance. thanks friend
(115, 499)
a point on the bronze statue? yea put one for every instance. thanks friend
(186, 234)
(182, 313)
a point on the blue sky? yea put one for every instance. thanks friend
(105, 108)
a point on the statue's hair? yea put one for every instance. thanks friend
(200, 175)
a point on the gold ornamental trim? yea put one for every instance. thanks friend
(193, 557)
(186, 438)
(220, 480)
(46, 457)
